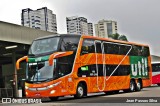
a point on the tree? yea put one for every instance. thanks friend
(117, 36)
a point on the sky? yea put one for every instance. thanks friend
(139, 20)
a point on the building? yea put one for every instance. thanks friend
(42, 18)
(77, 25)
(155, 59)
(105, 28)
(90, 29)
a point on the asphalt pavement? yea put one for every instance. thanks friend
(149, 96)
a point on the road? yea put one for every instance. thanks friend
(147, 97)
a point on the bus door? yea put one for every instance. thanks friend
(100, 65)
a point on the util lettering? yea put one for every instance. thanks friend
(140, 68)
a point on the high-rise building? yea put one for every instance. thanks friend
(42, 18)
(90, 29)
(77, 25)
(105, 28)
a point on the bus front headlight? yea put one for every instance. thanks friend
(53, 85)
(52, 92)
(50, 86)
(26, 87)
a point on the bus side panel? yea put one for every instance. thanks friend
(114, 82)
(156, 73)
(148, 82)
(117, 83)
(156, 79)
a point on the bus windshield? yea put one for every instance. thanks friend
(41, 71)
(38, 72)
(44, 46)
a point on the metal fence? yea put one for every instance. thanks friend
(6, 92)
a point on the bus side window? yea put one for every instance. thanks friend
(110, 48)
(134, 51)
(69, 44)
(107, 48)
(124, 49)
(64, 65)
(87, 47)
(156, 67)
(89, 70)
(145, 51)
(98, 47)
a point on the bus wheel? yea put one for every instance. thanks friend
(158, 84)
(132, 86)
(53, 98)
(80, 91)
(138, 85)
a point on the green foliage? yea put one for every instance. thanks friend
(118, 37)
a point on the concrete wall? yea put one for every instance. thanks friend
(155, 58)
(20, 34)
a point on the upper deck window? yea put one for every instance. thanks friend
(44, 46)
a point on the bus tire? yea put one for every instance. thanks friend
(158, 84)
(53, 98)
(132, 86)
(80, 92)
(139, 85)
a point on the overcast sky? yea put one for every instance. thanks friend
(139, 20)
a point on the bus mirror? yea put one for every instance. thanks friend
(20, 60)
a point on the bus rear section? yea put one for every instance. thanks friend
(156, 73)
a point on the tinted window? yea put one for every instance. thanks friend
(120, 71)
(140, 51)
(124, 49)
(88, 46)
(89, 70)
(64, 66)
(111, 48)
(145, 51)
(41, 46)
(69, 43)
(155, 67)
(134, 51)
(98, 47)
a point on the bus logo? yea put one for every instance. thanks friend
(139, 66)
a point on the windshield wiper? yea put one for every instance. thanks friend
(49, 79)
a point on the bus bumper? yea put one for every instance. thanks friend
(41, 93)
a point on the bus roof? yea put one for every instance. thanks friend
(156, 62)
(111, 40)
(92, 37)
(56, 35)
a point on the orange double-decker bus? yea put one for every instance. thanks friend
(65, 64)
